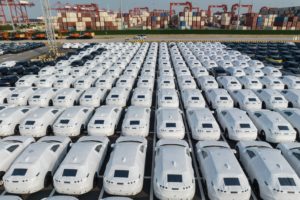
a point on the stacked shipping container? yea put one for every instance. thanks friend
(160, 19)
(191, 20)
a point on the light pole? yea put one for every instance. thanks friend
(238, 18)
(121, 13)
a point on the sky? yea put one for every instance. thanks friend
(164, 4)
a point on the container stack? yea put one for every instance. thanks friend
(251, 20)
(160, 19)
(225, 20)
(191, 20)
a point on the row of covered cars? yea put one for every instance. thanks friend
(243, 108)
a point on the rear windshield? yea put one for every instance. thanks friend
(69, 172)
(171, 125)
(210, 82)
(135, 122)
(254, 82)
(283, 128)
(19, 172)
(223, 98)
(168, 98)
(195, 98)
(121, 173)
(287, 182)
(175, 178)
(206, 125)
(232, 181)
(29, 122)
(141, 96)
(252, 99)
(88, 96)
(14, 95)
(64, 121)
(278, 98)
(166, 81)
(99, 121)
(61, 97)
(244, 125)
(114, 96)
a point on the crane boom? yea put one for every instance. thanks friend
(50, 32)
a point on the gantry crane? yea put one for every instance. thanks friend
(186, 4)
(235, 7)
(50, 32)
(223, 6)
(264, 9)
(17, 10)
(137, 11)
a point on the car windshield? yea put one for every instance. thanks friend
(252, 99)
(210, 82)
(121, 173)
(283, 128)
(278, 98)
(297, 155)
(114, 96)
(223, 98)
(195, 98)
(284, 181)
(19, 172)
(168, 98)
(88, 96)
(69, 172)
(174, 178)
(231, 181)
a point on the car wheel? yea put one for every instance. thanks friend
(238, 105)
(290, 105)
(47, 180)
(5, 100)
(263, 135)
(264, 105)
(48, 130)
(17, 131)
(95, 181)
(82, 129)
(237, 153)
(256, 188)
(50, 103)
(297, 134)
(226, 134)
(74, 103)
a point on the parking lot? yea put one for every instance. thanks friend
(178, 61)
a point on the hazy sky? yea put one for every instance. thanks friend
(164, 4)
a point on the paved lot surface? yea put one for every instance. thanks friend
(27, 55)
(188, 37)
